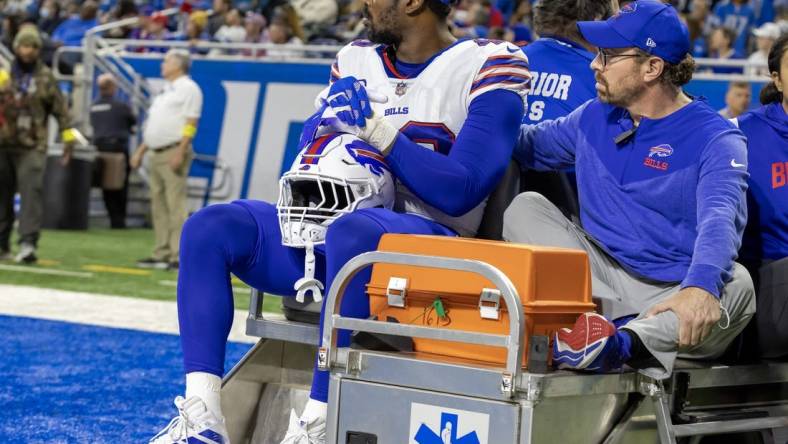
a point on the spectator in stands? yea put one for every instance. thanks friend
(169, 130)
(766, 36)
(508, 7)
(123, 10)
(737, 99)
(696, 24)
(72, 8)
(217, 20)
(11, 24)
(316, 15)
(112, 122)
(49, 17)
(16, 6)
(523, 14)
(350, 24)
(496, 33)
(233, 30)
(269, 7)
(256, 32)
(473, 19)
(765, 244)
(721, 48)
(195, 31)
(519, 34)
(736, 15)
(662, 180)
(781, 15)
(285, 28)
(462, 19)
(72, 31)
(156, 29)
(29, 95)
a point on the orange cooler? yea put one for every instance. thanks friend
(554, 285)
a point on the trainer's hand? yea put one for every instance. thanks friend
(697, 310)
(350, 101)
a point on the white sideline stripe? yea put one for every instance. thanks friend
(102, 310)
(24, 269)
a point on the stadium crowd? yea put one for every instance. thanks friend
(720, 29)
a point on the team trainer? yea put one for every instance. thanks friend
(662, 180)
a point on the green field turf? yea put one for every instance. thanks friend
(109, 256)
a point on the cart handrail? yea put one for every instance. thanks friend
(512, 342)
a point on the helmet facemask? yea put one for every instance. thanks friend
(334, 175)
(309, 203)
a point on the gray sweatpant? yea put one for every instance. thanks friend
(532, 219)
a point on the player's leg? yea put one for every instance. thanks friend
(532, 219)
(349, 236)
(660, 334)
(241, 238)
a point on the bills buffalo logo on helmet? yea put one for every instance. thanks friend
(364, 155)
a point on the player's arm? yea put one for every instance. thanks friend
(722, 213)
(457, 183)
(549, 145)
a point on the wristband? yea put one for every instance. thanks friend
(68, 135)
(189, 130)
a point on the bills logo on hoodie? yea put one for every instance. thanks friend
(656, 153)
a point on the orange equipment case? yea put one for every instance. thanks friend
(554, 285)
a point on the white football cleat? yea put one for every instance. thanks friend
(194, 424)
(300, 432)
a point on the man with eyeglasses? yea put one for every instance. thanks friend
(662, 180)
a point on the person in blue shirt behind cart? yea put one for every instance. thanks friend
(765, 245)
(561, 81)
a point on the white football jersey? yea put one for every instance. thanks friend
(431, 107)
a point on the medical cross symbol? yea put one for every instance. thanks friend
(448, 433)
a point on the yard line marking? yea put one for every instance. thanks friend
(118, 270)
(48, 262)
(38, 270)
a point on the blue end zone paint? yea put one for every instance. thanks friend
(70, 383)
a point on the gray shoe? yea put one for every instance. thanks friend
(26, 255)
(153, 263)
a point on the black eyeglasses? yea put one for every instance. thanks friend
(605, 57)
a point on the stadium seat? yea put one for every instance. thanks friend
(491, 226)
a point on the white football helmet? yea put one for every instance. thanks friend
(333, 175)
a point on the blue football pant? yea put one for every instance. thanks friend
(243, 238)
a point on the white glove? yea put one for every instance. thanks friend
(377, 132)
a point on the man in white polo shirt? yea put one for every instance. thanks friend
(169, 130)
